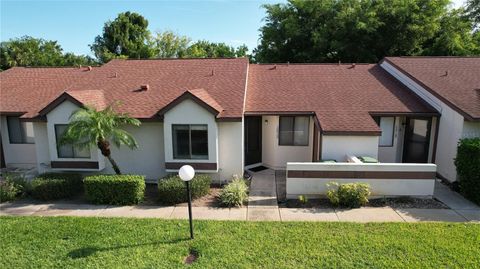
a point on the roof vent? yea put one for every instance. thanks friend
(89, 68)
(144, 87)
(273, 68)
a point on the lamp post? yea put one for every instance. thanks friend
(186, 173)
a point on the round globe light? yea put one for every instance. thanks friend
(186, 173)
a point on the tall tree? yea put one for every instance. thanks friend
(473, 10)
(350, 30)
(125, 37)
(91, 128)
(454, 37)
(167, 44)
(206, 49)
(30, 51)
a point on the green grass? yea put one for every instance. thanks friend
(66, 242)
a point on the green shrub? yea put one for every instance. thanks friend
(114, 189)
(13, 186)
(348, 195)
(172, 190)
(51, 186)
(468, 168)
(234, 193)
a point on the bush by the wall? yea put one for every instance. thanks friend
(51, 186)
(115, 189)
(234, 193)
(172, 190)
(468, 168)
(348, 195)
(12, 186)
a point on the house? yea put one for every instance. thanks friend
(223, 115)
(452, 86)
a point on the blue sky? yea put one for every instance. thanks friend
(76, 23)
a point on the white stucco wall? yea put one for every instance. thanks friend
(41, 146)
(450, 129)
(17, 155)
(471, 129)
(337, 147)
(148, 159)
(61, 115)
(276, 156)
(230, 150)
(189, 112)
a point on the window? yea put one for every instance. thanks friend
(68, 150)
(20, 132)
(190, 141)
(387, 124)
(294, 131)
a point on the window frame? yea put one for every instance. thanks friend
(73, 146)
(23, 139)
(292, 130)
(190, 156)
(378, 120)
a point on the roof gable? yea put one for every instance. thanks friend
(199, 96)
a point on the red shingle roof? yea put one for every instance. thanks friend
(341, 96)
(120, 80)
(454, 80)
(27, 90)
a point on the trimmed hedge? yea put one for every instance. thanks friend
(12, 186)
(468, 168)
(172, 190)
(114, 189)
(52, 186)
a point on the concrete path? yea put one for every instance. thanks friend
(262, 206)
(262, 200)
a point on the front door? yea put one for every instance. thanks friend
(417, 140)
(253, 140)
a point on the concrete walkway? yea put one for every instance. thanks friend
(262, 206)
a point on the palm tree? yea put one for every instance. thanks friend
(89, 127)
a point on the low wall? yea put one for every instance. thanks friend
(385, 179)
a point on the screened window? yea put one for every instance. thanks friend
(387, 124)
(294, 131)
(190, 141)
(19, 132)
(68, 150)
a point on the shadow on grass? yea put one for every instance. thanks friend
(88, 251)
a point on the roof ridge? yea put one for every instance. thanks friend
(188, 58)
(287, 64)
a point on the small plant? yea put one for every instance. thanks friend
(303, 199)
(172, 190)
(348, 195)
(115, 189)
(234, 193)
(13, 186)
(51, 186)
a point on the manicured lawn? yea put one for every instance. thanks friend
(66, 242)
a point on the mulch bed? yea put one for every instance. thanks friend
(210, 200)
(402, 202)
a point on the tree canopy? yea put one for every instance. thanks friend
(362, 31)
(30, 51)
(473, 10)
(125, 37)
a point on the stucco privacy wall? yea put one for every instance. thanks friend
(337, 147)
(17, 155)
(189, 112)
(230, 150)
(419, 181)
(61, 115)
(471, 129)
(276, 156)
(450, 129)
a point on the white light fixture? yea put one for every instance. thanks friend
(186, 173)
